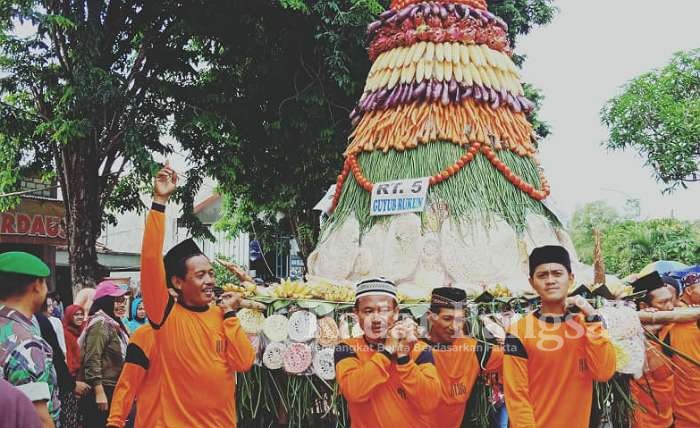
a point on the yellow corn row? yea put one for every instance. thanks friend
(427, 60)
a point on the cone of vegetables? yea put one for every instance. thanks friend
(442, 101)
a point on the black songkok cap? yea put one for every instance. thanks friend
(549, 254)
(648, 283)
(673, 282)
(604, 292)
(582, 291)
(484, 297)
(177, 254)
(448, 297)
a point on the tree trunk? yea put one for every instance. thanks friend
(84, 213)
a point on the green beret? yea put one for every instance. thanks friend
(23, 263)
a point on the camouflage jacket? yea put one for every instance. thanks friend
(26, 360)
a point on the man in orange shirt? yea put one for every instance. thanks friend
(387, 376)
(136, 382)
(553, 356)
(459, 360)
(653, 392)
(685, 337)
(200, 347)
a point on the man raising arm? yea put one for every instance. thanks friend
(200, 346)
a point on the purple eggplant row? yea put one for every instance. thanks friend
(440, 91)
(442, 10)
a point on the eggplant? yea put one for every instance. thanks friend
(453, 87)
(504, 94)
(517, 107)
(394, 97)
(526, 104)
(502, 23)
(382, 95)
(391, 99)
(469, 90)
(435, 9)
(457, 95)
(383, 105)
(373, 27)
(485, 94)
(353, 114)
(403, 97)
(445, 95)
(371, 102)
(427, 10)
(400, 89)
(443, 12)
(355, 122)
(409, 97)
(489, 16)
(419, 92)
(436, 91)
(462, 10)
(404, 13)
(495, 100)
(450, 7)
(465, 93)
(429, 91)
(467, 11)
(387, 14)
(477, 93)
(364, 101)
(493, 94)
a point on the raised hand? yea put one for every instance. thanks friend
(165, 184)
(586, 308)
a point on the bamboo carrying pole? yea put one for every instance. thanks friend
(667, 317)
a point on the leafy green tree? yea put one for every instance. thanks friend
(85, 98)
(593, 215)
(658, 115)
(629, 246)
(291, 71)
(257, 93)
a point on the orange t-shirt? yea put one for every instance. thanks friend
(685, 337)
(549, 367)
(199, 349)
(653, 393)
(137, 382)
(385, 392)
(458, 365)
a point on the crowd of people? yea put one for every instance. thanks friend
(67, 368)
(169, 356)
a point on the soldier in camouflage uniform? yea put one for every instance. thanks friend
(25, 358)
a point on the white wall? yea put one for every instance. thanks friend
(127, 235)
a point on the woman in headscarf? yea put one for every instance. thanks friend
(137, 315)
(103, 345)
(84, 298)
(73, 323)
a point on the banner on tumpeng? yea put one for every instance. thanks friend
(399, 196)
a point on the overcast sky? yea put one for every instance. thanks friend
(579, 61)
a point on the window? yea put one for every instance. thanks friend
(41, 189)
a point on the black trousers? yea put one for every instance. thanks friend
(94, 417)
